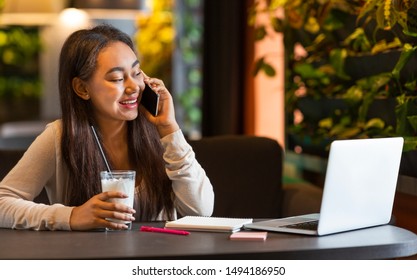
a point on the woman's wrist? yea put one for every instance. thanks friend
(165, 130)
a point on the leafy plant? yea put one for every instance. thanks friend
(19, 74)
(335, 34)
(189, 44)
(155, 40)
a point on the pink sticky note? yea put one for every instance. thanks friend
(249, 235)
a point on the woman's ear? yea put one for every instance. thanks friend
(80, 88)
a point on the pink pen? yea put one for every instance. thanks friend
(164, 230)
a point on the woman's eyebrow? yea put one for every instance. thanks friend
(121, 69)
(115, 69)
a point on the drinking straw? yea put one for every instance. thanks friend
(101, 151)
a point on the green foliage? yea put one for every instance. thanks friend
(334, 34)
(190, 46)
(19, 61)
(156, 41)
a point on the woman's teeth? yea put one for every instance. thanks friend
(129, 101)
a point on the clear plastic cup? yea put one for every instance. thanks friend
(122, 181)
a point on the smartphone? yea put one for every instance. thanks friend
(150, 100)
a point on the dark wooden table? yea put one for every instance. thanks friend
(383, 242)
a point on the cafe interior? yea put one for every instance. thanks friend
(299, 73)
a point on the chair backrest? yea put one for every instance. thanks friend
(8, 159)
(246, 173)
(408, 164)
(16, 142)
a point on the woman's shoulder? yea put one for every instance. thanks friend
(47, 143)
(56, 124)
(52, 131)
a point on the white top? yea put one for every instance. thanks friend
(42, 166)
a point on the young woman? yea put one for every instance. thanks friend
(101, 85)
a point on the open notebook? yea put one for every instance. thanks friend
(202, 223)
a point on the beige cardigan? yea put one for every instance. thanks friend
(42, 165)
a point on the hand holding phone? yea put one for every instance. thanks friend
(150, 100)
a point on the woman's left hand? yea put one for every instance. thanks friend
(165, 121)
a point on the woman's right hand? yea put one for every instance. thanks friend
(93, 213)
(165, 122)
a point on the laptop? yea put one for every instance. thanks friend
(359, 189)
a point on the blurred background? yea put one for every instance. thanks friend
(203, 50)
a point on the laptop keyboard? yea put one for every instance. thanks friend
(310, 225)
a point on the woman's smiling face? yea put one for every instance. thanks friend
(116, 85)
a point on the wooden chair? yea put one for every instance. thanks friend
(8, 159)
(246, 173)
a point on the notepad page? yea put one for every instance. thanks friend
(208, 223)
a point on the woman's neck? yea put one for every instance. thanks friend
(115, 143)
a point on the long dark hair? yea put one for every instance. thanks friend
(80, 153)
